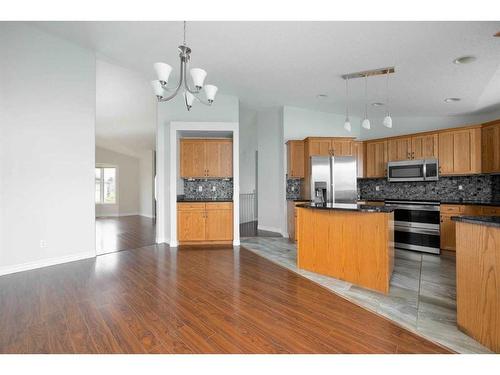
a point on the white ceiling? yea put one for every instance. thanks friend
(289, 63)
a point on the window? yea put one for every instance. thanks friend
(105, 185)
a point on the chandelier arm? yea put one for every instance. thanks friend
(186, 84)
(176, 90)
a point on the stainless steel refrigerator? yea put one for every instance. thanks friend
(333, 179)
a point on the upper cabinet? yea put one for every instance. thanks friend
(424, 146)
(337, 146)
(460, 151)
(359, 151)
(413, 147)
(491, 147)
(202, 158)
(295, 159)
(376, 158)
(399, 149)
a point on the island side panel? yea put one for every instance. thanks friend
(478, 283)
(349, 245)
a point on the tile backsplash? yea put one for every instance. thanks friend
(223, 188)
(477, 187)
(293, 186)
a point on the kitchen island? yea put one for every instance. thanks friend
(351, 242)
(478, 278)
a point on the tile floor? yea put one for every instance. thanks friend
(422, 296)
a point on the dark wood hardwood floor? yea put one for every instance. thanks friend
(124, 233)
(157, 300)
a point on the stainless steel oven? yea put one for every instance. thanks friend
(413, 170)
(416, 225)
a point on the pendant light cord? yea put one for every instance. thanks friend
(387, 92)
(347, 97)
(366, 96)
(184, 32)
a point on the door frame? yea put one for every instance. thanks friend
(167, 170)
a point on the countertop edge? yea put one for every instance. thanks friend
(490, 221)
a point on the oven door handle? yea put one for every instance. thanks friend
(431, 232)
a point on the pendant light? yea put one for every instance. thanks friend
(366, 123)
(347, 123)
(387, 119)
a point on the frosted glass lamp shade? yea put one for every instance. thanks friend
(366, 124)
(347, 125)
(198, 75)
(210, 91)
(388, 121)
(157, 89)
(189, 99)
(162, 71)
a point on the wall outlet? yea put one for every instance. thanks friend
(213, 188)
(293, 188)
(377, 188)
(460, 187)
(43, 244)
(200, 188)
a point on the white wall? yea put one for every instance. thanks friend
(146, 176)
(271, 183)
(299, 123)
(47, 107)
(128, 197)
(224, 109)
(248, 147)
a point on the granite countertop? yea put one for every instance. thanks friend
(491, 221)
(184, 199)
(347, 207)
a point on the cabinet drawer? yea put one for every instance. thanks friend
(219, 206)
(185, 206)
(487, 210)
(450, 209)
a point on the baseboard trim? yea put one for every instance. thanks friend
(124, 214)
(45, 263)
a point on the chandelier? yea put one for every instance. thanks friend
(164, 93)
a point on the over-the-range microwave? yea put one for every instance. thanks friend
(413, 170)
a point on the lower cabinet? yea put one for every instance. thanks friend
(447, 226)
(204, 223)
(292, 218)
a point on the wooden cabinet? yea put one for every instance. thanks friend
(341, 147)
(292, 218)
(414, 147)
(337, 146)
(424, 146)
(447, 226)
(201, 158)
(376, 158)
(490, 145)
(295, 159)
(359, 150)
(460, 151)
(204, 223)
(399, 149)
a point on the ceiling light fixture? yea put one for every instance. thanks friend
(452, 100)
(387, 119)
(377, 104)
(347, 123)
(197, 75)
(322, 96)
(464, 60)
(366, 123)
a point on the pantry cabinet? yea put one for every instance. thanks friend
(295, 159)
(202, 158)
(204, 223)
